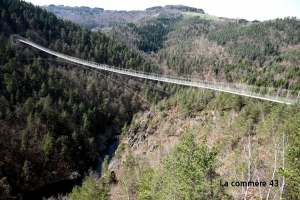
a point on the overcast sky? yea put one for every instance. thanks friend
(250, 9)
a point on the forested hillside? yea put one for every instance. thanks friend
(223, 138)
(56, 117)
(256, 53)
(188, 146)
(96, 18)
(176, 142)
(262, 54)
(247, 140)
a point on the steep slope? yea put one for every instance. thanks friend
(249, 137)
(56, 117)
(255, 53)
(246, 140)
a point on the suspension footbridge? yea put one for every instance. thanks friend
(278, 95)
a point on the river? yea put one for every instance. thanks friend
(65, 186)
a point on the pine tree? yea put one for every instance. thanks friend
(43, 92)
(188, 173)
(24, 142)
(48, 146)
(27, 167)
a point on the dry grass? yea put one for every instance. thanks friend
(205, 16)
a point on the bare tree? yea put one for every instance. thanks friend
(275, 157)
(249, 160)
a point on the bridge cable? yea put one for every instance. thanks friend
(95, 70)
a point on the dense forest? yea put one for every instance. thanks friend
(184, 8)
(186, 145)
(55, 117)
(246, 139)
(261, 54)
(176, 142)
(98, 18)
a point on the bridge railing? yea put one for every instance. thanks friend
(279, 95)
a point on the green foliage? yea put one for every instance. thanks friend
(90, 189)
(249, 54)
(154, 8)
(28, 105)
(64, 142)
(152, 32)
(205, 16)
(188, 100)
(48, 146)
(94, 189)
(105, 173)
(10, 86)
(27, 167)
(43, 101)
(92, 88)
(89, 119)
(125, 129)
(185, 8)
(120, 150)
(30, 119)
(128, 180)
(145, 186)
(60, 106)
(293, 171)
(43, 91)
(243, 21)
(227, 102)
(188, 173)
(134, 100)
(130, 161)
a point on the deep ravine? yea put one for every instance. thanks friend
(64, 187)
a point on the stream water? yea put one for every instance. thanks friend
(110, 150)
(66, 186)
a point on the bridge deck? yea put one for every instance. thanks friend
(270, 94)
